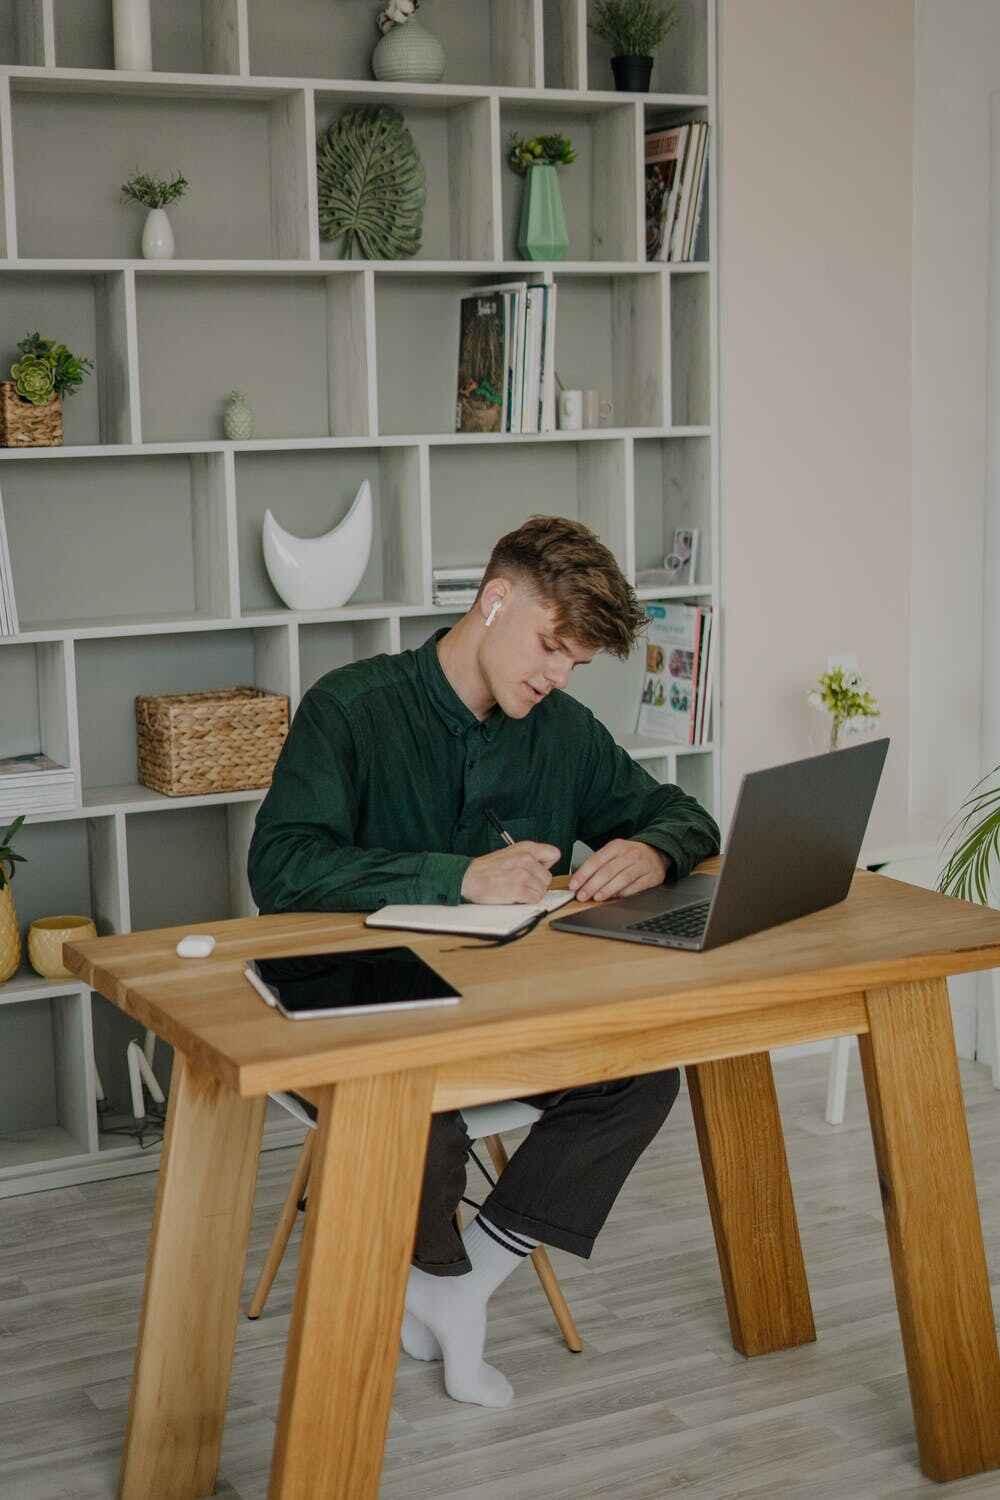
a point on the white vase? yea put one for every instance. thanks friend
(408, 53)
(133, 35)
(321, 572)
(157, 236)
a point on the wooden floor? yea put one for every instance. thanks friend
(658, 1404)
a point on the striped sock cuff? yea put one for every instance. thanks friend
(517, 1244)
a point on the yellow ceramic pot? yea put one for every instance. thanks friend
(45, 943)
(10, 933)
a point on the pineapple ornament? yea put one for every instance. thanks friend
(237, 419)
(10, 933)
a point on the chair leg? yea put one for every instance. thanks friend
(542, 1264)
(283, 1233)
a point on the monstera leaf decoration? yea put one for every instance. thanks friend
(371, 184)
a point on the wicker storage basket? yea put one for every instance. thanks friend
(190, 744)
(23, 425)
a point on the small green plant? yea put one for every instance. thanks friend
(154, 192)
(47, 369)
(556, 150)
(969, 871)
(7, 856)
(633, 28)
(842, 693)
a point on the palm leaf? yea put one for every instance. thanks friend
(372, 187)
(977, 830)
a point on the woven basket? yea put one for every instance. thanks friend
(23, 425)
(190, 744)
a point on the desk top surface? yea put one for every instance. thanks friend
(547, 988)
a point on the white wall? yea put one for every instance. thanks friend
(816, 125)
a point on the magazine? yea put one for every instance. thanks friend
(482, 362)
(667, 705)
(664, 156)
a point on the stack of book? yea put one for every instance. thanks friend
(456, 588)
(8, 608)
(34, 784)
(676, 701)
(676, 173)
(506, 359)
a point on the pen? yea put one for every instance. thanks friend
(501, 830)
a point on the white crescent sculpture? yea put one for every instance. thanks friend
(321, 572)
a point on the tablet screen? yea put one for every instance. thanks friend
(360, 979)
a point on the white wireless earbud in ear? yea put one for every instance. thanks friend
(493, 612)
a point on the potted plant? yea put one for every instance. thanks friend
(10, 933)
(633, 29)
(154, 193)
(406, 49)
(542, 230)
(31, 400)
(969, 870)
(842, 694)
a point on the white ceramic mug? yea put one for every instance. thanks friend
(570, 410)
(596, 413)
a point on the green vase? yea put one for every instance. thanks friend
(542, 231)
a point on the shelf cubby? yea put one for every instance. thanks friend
(414, 630)
(37, 692)
(111, 672)
(610, 336)
(673, 478)
(600, 189)
(492, 42)
(416, 332)
(189, 36)
(584, 481)
(21, 36)
(87, 312)
(659, 116)
(75, 147)
(200, 336)
(47, 1108)
(324, 645)
(690, 350)
(70, 867)
(310, 492)
(454, 138)
(681, 64)
(78, 534)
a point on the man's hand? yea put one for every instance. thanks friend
(621, 868)
(518, 873)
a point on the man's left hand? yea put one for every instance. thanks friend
(621, 868)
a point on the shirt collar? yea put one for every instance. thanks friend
(457, 716)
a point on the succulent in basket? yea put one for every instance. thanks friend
(47, 369)
(633, 30)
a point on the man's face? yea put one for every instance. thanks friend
(523, 656)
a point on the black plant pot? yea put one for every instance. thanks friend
(632, 74)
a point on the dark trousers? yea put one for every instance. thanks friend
(561, 1182)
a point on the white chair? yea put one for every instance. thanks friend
(484, 1122)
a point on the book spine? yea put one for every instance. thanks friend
(699, 166)
(680, 218)
(700, 203)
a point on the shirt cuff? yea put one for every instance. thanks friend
(440, 879)
(679, 860)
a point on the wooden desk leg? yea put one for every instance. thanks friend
(187, 1331)
(749, 1191)
(932, 1221)
(343, 1346)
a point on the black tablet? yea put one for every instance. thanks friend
(356, 982)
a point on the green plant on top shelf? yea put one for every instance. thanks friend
(539, 150)
(7, 855)
(633, 28)
(47, 369)
(154, 192)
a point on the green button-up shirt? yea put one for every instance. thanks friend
(379, 793)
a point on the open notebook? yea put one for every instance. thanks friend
(476, 921)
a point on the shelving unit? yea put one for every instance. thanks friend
(136, 546)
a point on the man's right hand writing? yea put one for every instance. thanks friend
(519, 873)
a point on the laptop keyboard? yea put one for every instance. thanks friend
(689, 922)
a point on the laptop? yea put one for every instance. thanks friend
(792, 849)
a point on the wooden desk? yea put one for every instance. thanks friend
(550, 1011)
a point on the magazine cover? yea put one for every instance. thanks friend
(664, 153)
(668, 686)
(482, 363)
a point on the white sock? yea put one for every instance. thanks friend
(417, 1339)
(453, 1309)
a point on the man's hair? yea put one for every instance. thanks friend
(569, 568)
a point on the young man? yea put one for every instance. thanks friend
(380, 795)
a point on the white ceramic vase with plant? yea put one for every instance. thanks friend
(407, 51)
(154, 193)
(841, 693)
